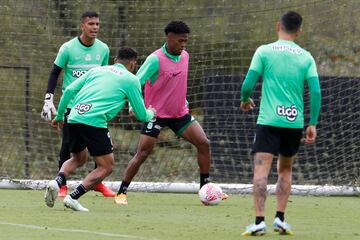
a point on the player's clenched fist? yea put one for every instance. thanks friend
(48, 108)
(248, 105)
(57, 123)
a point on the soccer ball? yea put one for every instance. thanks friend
(210, 194)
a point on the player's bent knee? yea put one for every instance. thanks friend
(204, 143)
(109, 171)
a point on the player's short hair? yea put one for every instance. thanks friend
(291, 21)
(126, 53)
(177, 27)
(89, 14)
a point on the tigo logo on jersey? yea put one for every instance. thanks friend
(78, 73)
(290, 113)
(83, 108)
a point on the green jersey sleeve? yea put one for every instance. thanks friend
(255, 70)
(137, 102)
(315, 99)
(149, 69)
(313, 83)
(248, 85)
(68, 95)
(256, 62)
(62, 56)
(312, 71)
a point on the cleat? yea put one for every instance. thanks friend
(120, 199)
(63, 191)
(282, 227)
(255, 230)
(224, 196)
(74, 204)
(51, 193)
(106, 192)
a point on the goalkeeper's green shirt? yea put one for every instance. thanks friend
(100, 94)
(285, 67)
(76, 59)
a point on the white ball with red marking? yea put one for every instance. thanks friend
(210, 194)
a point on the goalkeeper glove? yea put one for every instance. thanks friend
(48, 107)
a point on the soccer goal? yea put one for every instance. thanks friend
(224, 36)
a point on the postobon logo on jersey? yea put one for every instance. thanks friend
(290, 113)
(78, 73)
(83, 108)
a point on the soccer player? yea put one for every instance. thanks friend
(285, 68)
(164, 74)
(76, 57)
(98, 96)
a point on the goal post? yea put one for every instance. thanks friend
(224, 36)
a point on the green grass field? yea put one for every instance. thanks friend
(24, 216)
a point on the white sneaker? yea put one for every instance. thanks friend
(74, 204)
(51, 193)
(255, 230)
(282, 227)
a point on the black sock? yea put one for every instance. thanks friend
(258, 220)
(123, 187)
(78, 192)
(60, 179)
(204, 179)
(280, 215)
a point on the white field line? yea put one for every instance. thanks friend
(114, 235)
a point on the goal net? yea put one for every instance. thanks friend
(224, 36)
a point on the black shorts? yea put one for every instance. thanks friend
(177, 125)
(275, 140)
(96, 140)
(65, 149)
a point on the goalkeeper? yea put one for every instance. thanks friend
(98, 96)
(164, 74)
(76, 57)
(285, 68)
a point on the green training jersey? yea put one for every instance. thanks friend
(100, 94)
(285, 67)
(76, 58)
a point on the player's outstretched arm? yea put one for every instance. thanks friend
(136, 101)
(69, 93)
(133, 116)
(148, 71)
